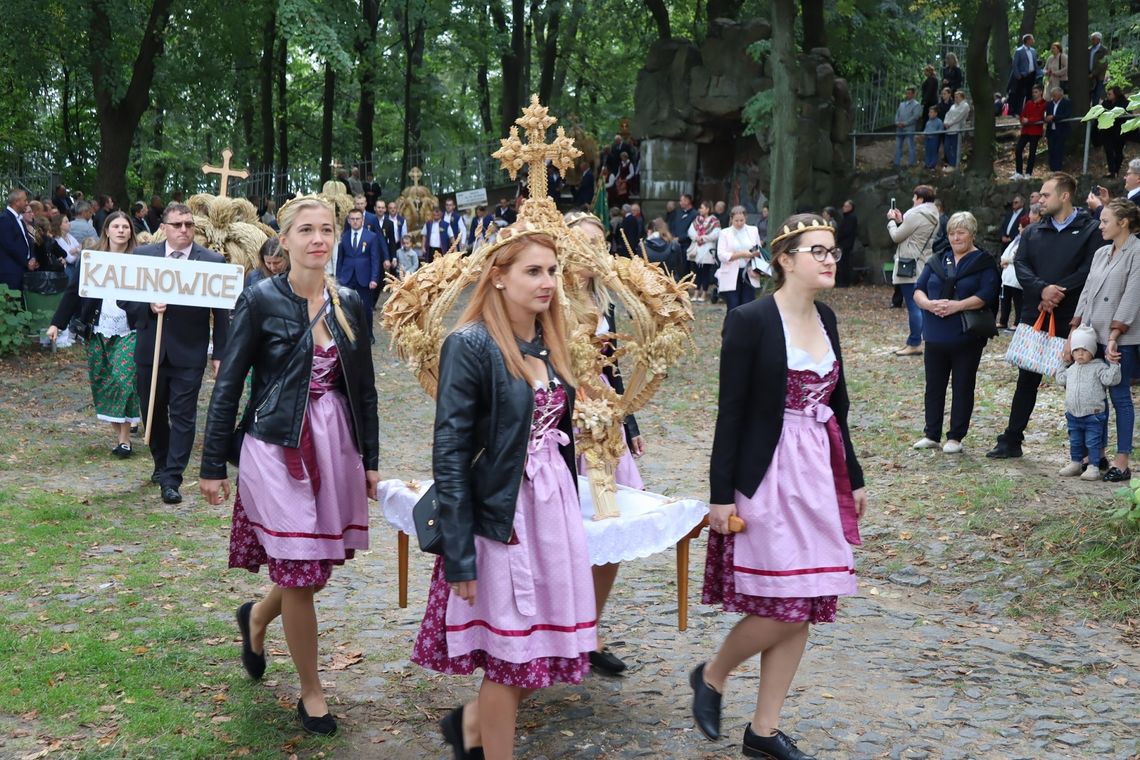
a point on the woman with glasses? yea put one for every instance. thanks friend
(964, 279)
(736, 247)
(786, 487)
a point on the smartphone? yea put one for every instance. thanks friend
(893, 201)
(1096, 189)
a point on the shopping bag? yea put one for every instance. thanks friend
(1036, 350)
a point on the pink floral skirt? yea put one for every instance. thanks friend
(247, 552)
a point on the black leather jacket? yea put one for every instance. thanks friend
(268, 320)
(481, 409)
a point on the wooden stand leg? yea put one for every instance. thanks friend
(149, 421)
(402, 561)
(683, 584)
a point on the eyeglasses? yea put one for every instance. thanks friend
(819, 252)
(180, 225)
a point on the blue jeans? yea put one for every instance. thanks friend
(1086, 436)
(913, 313)
(931, 152)
(743, 294)
(951, 148)
(1121, 397)
(899, 140)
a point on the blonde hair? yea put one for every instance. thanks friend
(599, 293)
(488, 304)
(285, 218)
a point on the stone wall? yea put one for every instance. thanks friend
(688, 113)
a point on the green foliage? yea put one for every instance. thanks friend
(15, 323)
(1127, 516)
(1120, 67)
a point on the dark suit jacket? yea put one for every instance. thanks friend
(1010, 222)
(356, 267)
(509, 214)
(753, 387)
(1059, 110)
(584, 194)
(14, 251)
(371, 223)
(185, 330)
(631, 226)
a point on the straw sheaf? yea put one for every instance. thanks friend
(227, 225)
(335, 192)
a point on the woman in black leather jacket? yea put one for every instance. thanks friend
(309, 458)
(503, 461)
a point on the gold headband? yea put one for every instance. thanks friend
(788, 230)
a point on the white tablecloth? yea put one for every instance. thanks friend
(649, 523)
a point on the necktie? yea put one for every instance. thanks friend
(355, 240)
(177, 254)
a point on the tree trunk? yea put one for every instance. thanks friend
(366, 112)
(815, 29)
(1000, 54)
(159, 177)
(978, 73)
(328, 112)
(511, 61)
(660, 15)
(282, 183)
(265, 92)
(785, 118)
(483, 86)
(1029, 20)
(65, 114)
(119, 118)
(412, 36)
(1078, 63)
(568, 45)
(534, 19)
(549, 51)
(724, 9)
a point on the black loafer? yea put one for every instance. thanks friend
(322, 725)
(451, 726)
(253, 662)
(156, 478)
(1004, 451)
(607, 662)
(706, 704)
(775, 747)
(170, 495)
(122, 451)
(1117, 475)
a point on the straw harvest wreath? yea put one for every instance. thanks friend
(659, 309)
(227, 225)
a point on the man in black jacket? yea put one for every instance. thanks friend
(1052, 264)
(181, 358)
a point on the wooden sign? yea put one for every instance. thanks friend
(151, 279)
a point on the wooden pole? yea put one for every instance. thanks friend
(153, 379)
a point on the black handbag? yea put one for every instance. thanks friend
(981, 323)
(425, 515)
(907, 268)
(81, 329)
(237, 437)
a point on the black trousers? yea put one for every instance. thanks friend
(175, 418)
(1025, 394)
(1113, 152)
(1056, 150)
(1009, 296)
(956, 365)
(1032, 140)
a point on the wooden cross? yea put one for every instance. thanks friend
(225, 171)
(513, 154)
(415, 174)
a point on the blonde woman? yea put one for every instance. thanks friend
(309, 458)
(736, 247)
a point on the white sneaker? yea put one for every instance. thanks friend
(1070, 470)
(952, 447)
(1015, 176)
(925, 443)
(1092, 472)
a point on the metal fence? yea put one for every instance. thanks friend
(874, 101)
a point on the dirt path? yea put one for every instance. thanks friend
(928, 661)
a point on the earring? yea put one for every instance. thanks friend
(500, 286)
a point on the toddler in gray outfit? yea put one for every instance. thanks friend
(1086, 382)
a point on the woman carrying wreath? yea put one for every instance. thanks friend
(783, 462)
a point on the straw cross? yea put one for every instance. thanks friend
(514, 154)
(225, 171)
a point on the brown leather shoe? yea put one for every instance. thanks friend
(909, 351)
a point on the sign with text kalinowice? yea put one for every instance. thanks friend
(152, 279)
(466, 199)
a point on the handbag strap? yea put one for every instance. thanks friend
(254, 403)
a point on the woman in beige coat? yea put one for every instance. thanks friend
(913, 233)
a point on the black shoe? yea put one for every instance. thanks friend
(451, 726)
(706, 704)
(134, 429)
(253, 662)
(170, 495)
(1004, 451)
(607, 662)
(1117, 475)
(156, 477)
(775, 747)
(1102, 465)
(122, 451)
(323, 725)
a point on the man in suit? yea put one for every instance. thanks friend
(1011, 221)
(1023, 75)
(181, 358)
(358, 262)
(371, 222)
(631, 226)
(106, 205)
(456, 227)
(372, 191)
(393, 226)
(138, 216)
(1132, 181)
(1098, 67)
(15, 249)
(154, 212)
(506, 213)
(683, 219)
(62, 200)
(436, 237)
(584, 193)
(482, 227)
(1057, 112)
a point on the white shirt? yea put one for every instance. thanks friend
(431, 241)
(169, 250)
(23, 229)
(1133, 193)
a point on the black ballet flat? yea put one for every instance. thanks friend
(706, 704)
(451, 726)
(253, 662)
(607, 662)
(322, 725)
(775, 747)
(1117, 475)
